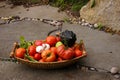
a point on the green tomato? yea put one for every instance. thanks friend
(59, 43)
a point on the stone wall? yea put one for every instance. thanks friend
(106, 12)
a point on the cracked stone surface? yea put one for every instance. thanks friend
(12, 71)
(44, 11)
(102, 49)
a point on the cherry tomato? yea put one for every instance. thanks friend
(51, 40)
(58, 38)
(20, 52)
(54, 50)
(38, 42)
(37, 56)
(65, 53)
(78, 53)
(32, 50)
(48, 56)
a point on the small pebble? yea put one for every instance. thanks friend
(117, 76)
(35, 19)
(92, 69)
(58, 24)
(53, 22)
(83, 20)
(83, 24)
(90, 25)
(75, 22)
(114, 70)
(79, 22)
(86, 24)
(41, 19)
(67, 11)
(21, 18)
(95, 25)
(29, 19)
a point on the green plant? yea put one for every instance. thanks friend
(78, 5)
(34, 1)
(66, 20)
(93, 3)
(74, 5)
(100, 25)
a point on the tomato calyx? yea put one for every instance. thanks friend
(48, 55)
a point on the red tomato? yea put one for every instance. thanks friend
(20, 52)
(38, 42)
(60, 50)
(68, 54)
(32, 50)
(65, 53)
(78, 52)
(58, 38)
(51, 40)
(54, 50)
(37, 56)
(59, 59)
(48, 56)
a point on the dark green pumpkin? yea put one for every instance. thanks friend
(68, 38)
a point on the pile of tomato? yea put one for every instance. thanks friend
(49, 50)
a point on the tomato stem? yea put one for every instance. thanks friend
(48, 54)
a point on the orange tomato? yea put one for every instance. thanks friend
(78, 53)
(20, 52)
(48, 56)
(54, 50)
(51, 40)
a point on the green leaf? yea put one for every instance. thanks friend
(93, 3)
(22, 39)
(23, 43)
(100, 26)
(30, 59)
